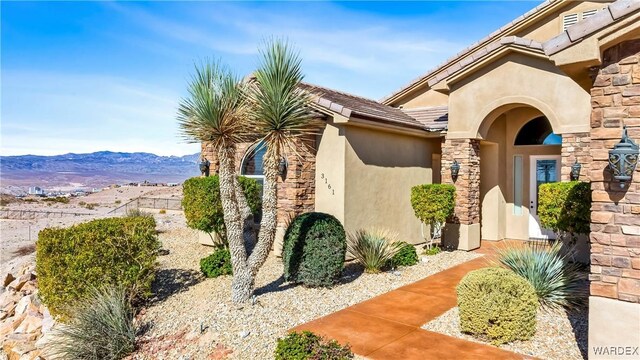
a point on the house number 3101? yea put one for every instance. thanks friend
(333, 191)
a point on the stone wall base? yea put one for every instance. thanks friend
(462, 236)
(614, 329)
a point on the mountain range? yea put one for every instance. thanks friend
(98, 169)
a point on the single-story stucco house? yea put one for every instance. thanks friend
(514, 110)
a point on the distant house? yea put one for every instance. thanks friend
(35, 190)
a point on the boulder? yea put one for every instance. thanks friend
(16, 351)
(11, 325)
(23, 304)
(17, 284)
(8, 279)
(30, 324)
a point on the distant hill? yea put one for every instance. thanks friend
(96, 169)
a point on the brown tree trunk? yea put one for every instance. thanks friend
(268, 224)
(242, 285)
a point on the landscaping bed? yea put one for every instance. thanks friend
(185, 302)
(559, 334)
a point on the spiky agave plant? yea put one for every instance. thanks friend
(556, 280)
(373, 249)
(99, 327)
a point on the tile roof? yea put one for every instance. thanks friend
(433, 118)
(348, 105)
(575, 33)
(467, 52)
(483, 52)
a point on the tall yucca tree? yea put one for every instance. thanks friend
(215, 112)
(281, 119)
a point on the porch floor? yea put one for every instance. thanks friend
(388, 326)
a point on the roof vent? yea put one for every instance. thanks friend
(569, 20)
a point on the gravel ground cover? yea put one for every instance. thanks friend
(560, 335)
(196, 314)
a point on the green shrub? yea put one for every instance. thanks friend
(216, 264)
(135, 212)
(374, 250)
(498, 304)
(118, 202)
(112, 251)
(435, 250)
(314, 250)
(433, 204)
(555, 280)
(162, 211)
(57, 199)
(407, 256)
(99, 327)
(203, 207)
(309, 346)
(565, 207)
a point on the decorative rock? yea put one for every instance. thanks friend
(17, 284)
(30, 324)
(23, 304)
(243, 334)
(8, 279)
(11, 325)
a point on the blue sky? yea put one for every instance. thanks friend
(90, 76)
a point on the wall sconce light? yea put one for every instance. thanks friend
(204, 166)
(282, 167)
(623, 158)
(575, 170)
(455, 169)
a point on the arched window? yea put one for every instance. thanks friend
(537, 132)
(251, 165)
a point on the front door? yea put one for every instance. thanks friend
(543, 169)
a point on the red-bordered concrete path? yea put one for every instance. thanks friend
(388, 326)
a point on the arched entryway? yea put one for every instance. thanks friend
(519, 151)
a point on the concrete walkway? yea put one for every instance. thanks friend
(388, 326)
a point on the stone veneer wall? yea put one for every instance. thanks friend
(296, 191)
(615, 216)
(576, 146)
(467, 153)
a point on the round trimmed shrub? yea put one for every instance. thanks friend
(498, 304)
(407, 256)
(203, 207)
(314, 250)
(216, 264)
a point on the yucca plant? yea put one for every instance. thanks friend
(99, 327)
(556, 280)
(373, 249)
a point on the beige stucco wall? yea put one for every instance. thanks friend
(551, 25)
(422, 98)
(517, 80)
(369, 174)
(330, 171)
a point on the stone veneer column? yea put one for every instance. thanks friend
(614, 309)
(576, 146)
(464, 232)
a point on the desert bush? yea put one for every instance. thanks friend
(203, 207)
(498, 304)
(433, 204)
(434, 250)
(118, 202)
(136, 212)
(91, 206)
(82, 203)
(555, 280)
(57, 199)
(373, 249)
(314, 250)
(309, 346)
(99, 327)
(565, 207)
(113, 251)
(216, 264)
(407, 256)
(162, 211)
